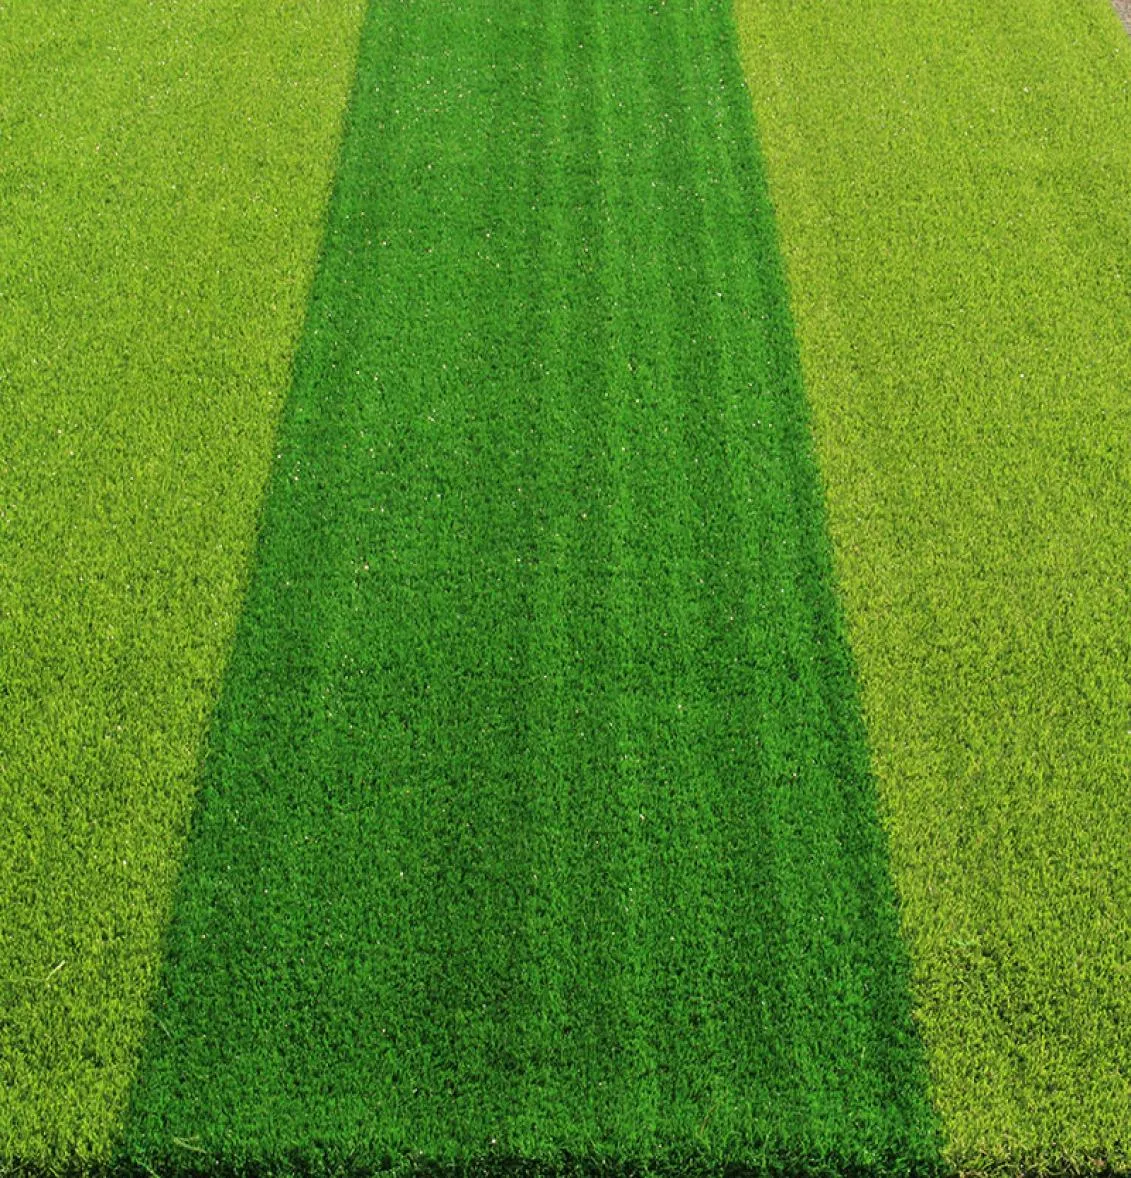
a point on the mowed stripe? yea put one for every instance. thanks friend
(164, 180)
(953, 182)
(536, 817)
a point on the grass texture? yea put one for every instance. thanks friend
(536, 820)
(164, 177)
(952, 183)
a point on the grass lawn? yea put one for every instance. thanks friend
(952, 183)
(564, 608)
(164, 172)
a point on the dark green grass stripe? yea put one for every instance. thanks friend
(536, 819)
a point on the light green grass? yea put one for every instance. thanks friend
(536, 823)
(163, 176)
(953, 183)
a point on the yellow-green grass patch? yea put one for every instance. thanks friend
(953, 187)
(163, 182)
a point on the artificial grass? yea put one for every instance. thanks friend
(536, 823)
(164, 176)
(951, 181)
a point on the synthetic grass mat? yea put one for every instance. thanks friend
(536, 819)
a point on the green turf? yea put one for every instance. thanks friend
(164, 172)
(536, 818)
(953, 183)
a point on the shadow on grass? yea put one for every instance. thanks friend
(315, 1163)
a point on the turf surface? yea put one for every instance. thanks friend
(952, 182)
(164, 171)
(536, 818)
